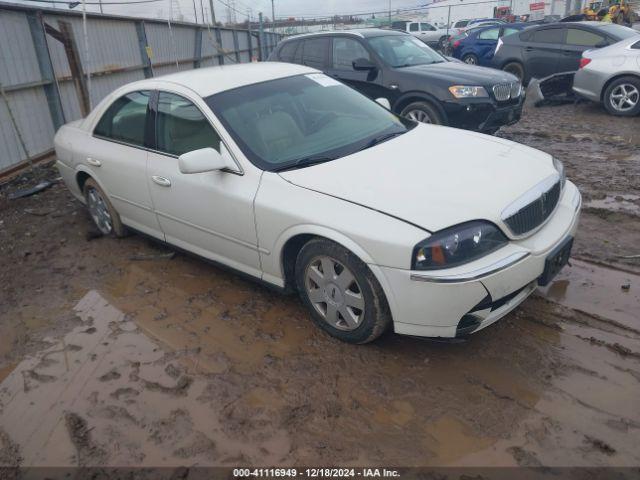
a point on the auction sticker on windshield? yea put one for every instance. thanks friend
(323, 80)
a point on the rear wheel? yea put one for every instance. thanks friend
(622, 97)
(515, 68)
(102, 212)
(470, 59)
(342, 294)
(422, 112)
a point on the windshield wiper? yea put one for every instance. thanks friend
(305, 162)
(380, 139)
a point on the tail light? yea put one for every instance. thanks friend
(584, 62)
(456, 44)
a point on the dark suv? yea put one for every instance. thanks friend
(418, 82)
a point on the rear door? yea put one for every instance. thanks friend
(543, 51)
(577, 41)
(117, 153)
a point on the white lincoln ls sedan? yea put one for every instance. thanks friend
(295, 179)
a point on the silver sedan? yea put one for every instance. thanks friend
(611, 75)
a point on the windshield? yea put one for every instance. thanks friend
(296, 121)
(619, 31)
(404, 51)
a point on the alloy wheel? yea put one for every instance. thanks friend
(470, 60)
(624, 97)
(419, 116)
(334, 293)
(99, 211)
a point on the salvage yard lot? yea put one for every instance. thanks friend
(114, 353)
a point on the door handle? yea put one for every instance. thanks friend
(94, 162)
(162, 181)
(528, 49)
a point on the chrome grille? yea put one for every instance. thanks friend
(535, 213)
(502, 92)
(505, 91)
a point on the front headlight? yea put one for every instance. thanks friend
(457, 245)
(464, 91)
(559, 166)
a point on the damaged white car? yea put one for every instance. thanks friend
(287, 175)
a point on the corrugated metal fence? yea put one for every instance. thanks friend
(43, 66)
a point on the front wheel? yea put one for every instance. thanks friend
(422, 112)
(342, 294)
(622, 97)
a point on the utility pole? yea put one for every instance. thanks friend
(273, 17)
(389, 12)
(195, 12)
(213, 13)
(261, 37)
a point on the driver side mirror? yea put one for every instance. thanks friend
(363, 64)
(205, 160)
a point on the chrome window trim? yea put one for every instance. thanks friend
(443, 277)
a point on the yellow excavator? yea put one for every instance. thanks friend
(615, 11)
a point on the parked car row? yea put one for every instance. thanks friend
(418, 82)
(603, 55)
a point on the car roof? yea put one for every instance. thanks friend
(361, 32)
(211, 80)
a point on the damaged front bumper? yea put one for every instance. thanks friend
(462, 300)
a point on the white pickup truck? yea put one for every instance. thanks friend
(425, 31)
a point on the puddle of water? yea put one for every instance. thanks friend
(617, 203)
(598, 291)
(106, 394)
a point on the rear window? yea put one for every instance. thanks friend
(618, 31)
(549, 35)
(399, 25)
(288, 51)
(636, 46)
(583, 38)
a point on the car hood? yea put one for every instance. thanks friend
(432, 176)
(460, 73)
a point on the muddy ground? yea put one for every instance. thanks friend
(111, 353)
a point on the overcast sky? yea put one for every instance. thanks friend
(287, 8)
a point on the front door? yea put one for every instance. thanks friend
(209, 213)
(345, 51)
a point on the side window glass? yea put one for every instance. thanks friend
(288, 51)
(583, 38)
(427, 27)
(491, 34)
(550, 35)
(316, 52)
(345, 51)
(636, 46)
(509, 31)
(414, 27)
(125, 120)
(181, 127)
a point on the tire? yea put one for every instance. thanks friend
(470, 59)
(442, 43)
(423, 112)
(343, 296)
(517, 69)
(104, 216)
(629, 88)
